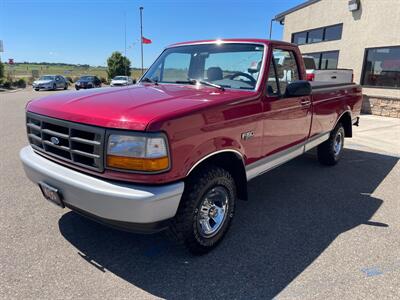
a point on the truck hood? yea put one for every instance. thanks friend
(133, 107)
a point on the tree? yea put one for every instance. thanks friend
(118, 65)
(1, 70)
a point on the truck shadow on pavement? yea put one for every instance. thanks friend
(293, 214)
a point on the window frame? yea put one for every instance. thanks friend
(364, 66)
(323, 34)
(320, 57)
(272, 60)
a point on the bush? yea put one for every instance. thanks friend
(117, 64)
(7, 84)
(69, 79)
(75, 79)
(103, 80)
(20, 83)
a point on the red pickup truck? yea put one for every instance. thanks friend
(177, 149)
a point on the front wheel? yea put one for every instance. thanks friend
(66, 86)
(206, 209)
(54, 87)
(331, 150)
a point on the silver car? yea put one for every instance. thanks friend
(50, 82)
(121, 81)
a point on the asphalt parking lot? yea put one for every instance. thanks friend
(308, 232)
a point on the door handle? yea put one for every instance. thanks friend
(305, 102)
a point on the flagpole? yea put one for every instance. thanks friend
(126, 71)
(141, 35)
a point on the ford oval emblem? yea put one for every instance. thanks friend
(54, 140)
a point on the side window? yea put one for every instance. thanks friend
(272, 86)
(176, 67)
(286, 68)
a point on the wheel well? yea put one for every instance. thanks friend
(231, 162)
(345, 119)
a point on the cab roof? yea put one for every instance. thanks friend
(237, 40)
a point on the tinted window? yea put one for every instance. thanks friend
(286, 68)
(315, 36)
(329, 60)
(382, 67)
(316, 57)
(333, 33)
(299, 38)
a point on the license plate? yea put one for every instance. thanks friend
(51, 194)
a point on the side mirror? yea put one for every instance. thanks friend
(298, 88)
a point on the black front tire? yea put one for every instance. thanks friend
(330, 151)
(66, 86)
(185, 226)
(54, 87)
(77, 88)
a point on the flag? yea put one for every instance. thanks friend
(146, 41)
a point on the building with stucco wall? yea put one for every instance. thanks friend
(363, 35)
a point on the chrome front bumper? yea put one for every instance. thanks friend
(108, 201)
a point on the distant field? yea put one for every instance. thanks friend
(22, 70)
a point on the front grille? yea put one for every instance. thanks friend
(79, 144)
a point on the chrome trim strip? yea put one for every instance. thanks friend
(212, 154)
(315, 141)
(270, 162)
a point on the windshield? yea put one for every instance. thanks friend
(86, 78)
(120, 78)
(46, 77)
(230, 65)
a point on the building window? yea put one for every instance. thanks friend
(325, 60)
(323, 34)
(299, 38)
(382, 67)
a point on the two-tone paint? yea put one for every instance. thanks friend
(203, 121)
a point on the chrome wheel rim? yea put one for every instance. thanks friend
(338, 143)
(212, 211)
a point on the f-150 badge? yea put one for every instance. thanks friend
(247, 135)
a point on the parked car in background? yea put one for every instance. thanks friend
(332, 75)
(121, 81)
(87, 82)
(50, 82)
(176, 150)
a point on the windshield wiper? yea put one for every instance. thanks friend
(203, 82)
(147, 79)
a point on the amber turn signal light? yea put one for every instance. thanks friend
(137, 163)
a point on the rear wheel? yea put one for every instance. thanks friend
(66, 86)
(330, 151)
(206, 209)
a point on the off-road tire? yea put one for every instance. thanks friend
(184, 226)
(326, 151)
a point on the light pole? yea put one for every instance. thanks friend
(141, 34)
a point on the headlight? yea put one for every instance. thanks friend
(145, 153)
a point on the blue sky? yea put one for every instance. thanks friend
(88, 31)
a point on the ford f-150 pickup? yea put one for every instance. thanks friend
(176, 150)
